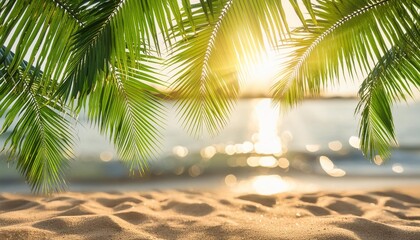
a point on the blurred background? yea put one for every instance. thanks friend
(313, 147)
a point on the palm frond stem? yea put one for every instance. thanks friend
(308, 51)
(70, 11)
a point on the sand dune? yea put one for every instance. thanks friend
(211, 215)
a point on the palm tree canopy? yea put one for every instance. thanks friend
(61, 56)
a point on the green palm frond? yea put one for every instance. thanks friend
(209, 57)
(357, 37)
(350, 36)
(37, 31)
(197, 105)
(127, 108)
(392, 79)
(83, 52)
(42, 137)
(109, 29)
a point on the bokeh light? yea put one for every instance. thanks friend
(328, 166)
(335, 145)
(313, 147)
(230, 149)
(397, 168)
(106, 156)
(180, 151)
(283, 163)
(230, 180)
(378, 160)
(270, 184)
(268, 161)
(208, 152)
(354, 142)
(253, 161)
(195, 171)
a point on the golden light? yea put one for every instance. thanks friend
(335, 145)
(283, 163)
(208, 152)
(286, 136)
(328, 166)
(179, 170)
(259, 73)
(354, 142)
(337, 172)
(268, 161)
(253, 161)
(248, 147)
(230, 180)
(397, 168)
(270, 184)
(267, 139)
(241, 161)
(239, 148)
(313, 147)
(195, 171)
(106, 156)
(378, 160)
(326, 163)
(180, 151)
(230, 149)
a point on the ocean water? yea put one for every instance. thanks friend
(319, 138)
(315, 123)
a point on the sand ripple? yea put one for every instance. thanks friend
(212, 215)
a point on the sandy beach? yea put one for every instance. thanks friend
(182, 214)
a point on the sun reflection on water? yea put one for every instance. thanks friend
(329, 167)
(263, 184)
(267, 139)
(270, 184)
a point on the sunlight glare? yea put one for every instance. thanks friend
(248, 147)
(259, 74)
(271, 184)
(268, 161)
(267, 140)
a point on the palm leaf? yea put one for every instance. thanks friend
(109, 30)
(351, 36)
(127, 108)
(37, 31)
(356, 37)
(391, 80)
(42, 136)
(209, 57)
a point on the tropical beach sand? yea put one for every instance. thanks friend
(179, 214)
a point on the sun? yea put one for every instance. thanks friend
(258, 74)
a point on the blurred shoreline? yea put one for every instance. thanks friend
(317, 140)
